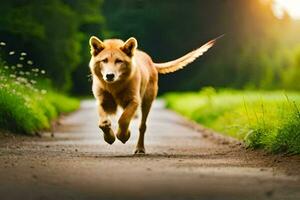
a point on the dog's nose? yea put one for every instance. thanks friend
(110, 77)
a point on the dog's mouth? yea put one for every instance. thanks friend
(109, 81)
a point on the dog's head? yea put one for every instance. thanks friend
(112, 59)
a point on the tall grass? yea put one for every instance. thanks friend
(269, 120)
(27, 104)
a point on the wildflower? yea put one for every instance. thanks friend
(29, 62)
(12, 76)
(43, 72)
(19, 65)
(2, 43)
(5, 67)
(21, 73)
(23, 54)
(21, 58)
(11, 53)
(33, 81)
(27, 73)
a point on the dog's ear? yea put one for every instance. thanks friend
(96, 45)
(129, 46)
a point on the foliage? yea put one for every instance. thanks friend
(269, 120)
(53, 33)
(25, 105)
(255, 52)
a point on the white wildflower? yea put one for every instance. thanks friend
(19, 65)
(33, 81)
(29, 62)
(11, 53)
(21, 58)
(43, 72)
(23, 54)
(2, 43)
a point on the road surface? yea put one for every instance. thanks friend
(182, 162)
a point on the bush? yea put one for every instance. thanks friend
(25, 105)
(269, 120)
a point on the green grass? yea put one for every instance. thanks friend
(268, 120)
(26, 107)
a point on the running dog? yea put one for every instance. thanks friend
(127, 77)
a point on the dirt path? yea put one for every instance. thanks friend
(182, 163)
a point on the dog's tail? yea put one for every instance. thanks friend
(174, 65)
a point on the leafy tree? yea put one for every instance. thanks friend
(250, 55)
(53, 33)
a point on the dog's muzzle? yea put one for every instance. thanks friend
(110, 77)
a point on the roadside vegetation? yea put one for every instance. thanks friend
(28, 104)
(263, 119)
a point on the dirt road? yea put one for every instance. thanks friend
(181, 163)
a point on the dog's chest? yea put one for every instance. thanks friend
(121, 98)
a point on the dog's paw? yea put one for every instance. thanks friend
(109, 135)
(123, 136)
(139, 151)
(105, 123)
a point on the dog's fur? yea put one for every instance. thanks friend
(127, 77)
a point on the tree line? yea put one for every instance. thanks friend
(54, 34)
(258, 50)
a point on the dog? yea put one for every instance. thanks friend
(127, 77)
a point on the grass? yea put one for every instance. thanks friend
(27, 105)
(263, 119)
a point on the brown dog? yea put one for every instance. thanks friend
(127, 77)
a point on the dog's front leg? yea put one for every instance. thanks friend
(124, 121)
(105, 125)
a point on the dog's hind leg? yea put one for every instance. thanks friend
(146, 105)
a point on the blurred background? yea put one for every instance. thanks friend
(260, 50)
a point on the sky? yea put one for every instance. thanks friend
(292, 7)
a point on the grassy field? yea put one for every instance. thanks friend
(26, 105)
(268, 120)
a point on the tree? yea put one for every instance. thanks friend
(53, 33)
(248, 55)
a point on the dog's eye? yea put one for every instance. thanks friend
(118, 61)
(104, 60)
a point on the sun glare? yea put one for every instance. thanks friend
(292, 7)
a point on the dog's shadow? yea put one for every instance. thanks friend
(159, 156)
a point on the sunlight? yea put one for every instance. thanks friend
(292, 7)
